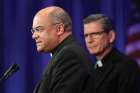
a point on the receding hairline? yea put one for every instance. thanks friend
(48, 11)
(100, 18)
(54, 15)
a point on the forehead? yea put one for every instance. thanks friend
(40, 21)
(93, 27)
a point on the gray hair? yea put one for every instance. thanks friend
(105, 21)
(58, 15)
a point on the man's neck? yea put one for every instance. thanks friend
(101, 55)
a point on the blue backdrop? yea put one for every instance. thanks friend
(17, 46)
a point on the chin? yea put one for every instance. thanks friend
(39, 49)
(42, 50)
(92, 52)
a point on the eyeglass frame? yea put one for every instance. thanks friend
(40, 28)
(94, 34)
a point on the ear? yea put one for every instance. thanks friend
(60, 28)
(112, 36)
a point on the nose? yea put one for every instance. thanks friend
(34, 35)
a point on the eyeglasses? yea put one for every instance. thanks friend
(40, 28)
(94, 34)
(37, 29)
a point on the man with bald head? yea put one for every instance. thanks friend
(69, 70)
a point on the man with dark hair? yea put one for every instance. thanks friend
(69, 70)
(114, 71)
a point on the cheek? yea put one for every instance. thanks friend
(51, 42)
(104, 43)
(100, 43)
(44, 39)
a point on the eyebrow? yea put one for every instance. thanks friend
(38, 26)
(95, 32)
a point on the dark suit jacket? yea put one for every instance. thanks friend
(119, 74)
(69, 71)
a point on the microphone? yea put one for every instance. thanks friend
(12, 69)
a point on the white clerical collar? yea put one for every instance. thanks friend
(99, 63)
(50, 54)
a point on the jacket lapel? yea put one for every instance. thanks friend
(37, 87)
(102, 73)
